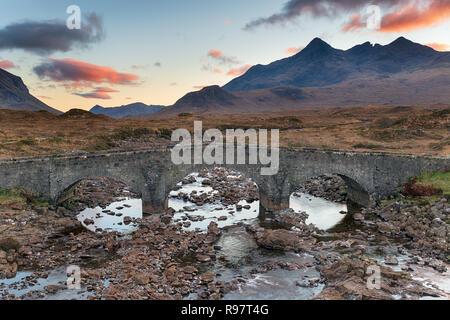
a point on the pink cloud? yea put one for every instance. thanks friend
(236, 72)
(98, 93)
(354, 23)
(292, 51)
(439, 46)
(215, 53)
(81, 74)
(6, 64)
(410, 16)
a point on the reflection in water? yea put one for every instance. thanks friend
(213, 212)
(237, 246)
(20, 286)
(115, 217)
(240, 256)
(322, 213)
(201, 216)
(277, 285)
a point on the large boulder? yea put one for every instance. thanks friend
(282, 240)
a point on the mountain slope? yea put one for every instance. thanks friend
(320, 65)
(127, 111)
(14, 95)
(211, 99)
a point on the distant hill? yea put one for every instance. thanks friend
(421, 88)
(127, 111)
(14, 95)
(216, 100)
(211, 99)
(320, 65)
(82, 114)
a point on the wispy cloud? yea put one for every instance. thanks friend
(355, 23)
(404, 15)
(139, 67)
(236, 72)
(408, 16)
(316, 8)
(80, 74)
(215, 53)
(99, 93)
(46, 37)
(439, 46)
(413, 16)
(293, 50)
(219, 56)
(6, 64)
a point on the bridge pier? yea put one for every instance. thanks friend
(151, 208)
(356, 193)
(273, 200)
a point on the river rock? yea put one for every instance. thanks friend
(392, 261)
(279, 239)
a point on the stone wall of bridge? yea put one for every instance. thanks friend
(369, 176)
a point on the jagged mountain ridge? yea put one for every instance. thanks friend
(320, 65)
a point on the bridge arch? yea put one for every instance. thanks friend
(67, 192)
(176, 175)
(152, 173)
(357, 185)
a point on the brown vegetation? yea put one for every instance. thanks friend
(416, 130)
(417, 190)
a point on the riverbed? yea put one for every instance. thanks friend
(256, 272)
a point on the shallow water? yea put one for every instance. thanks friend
(241, 254)
(19, 286)
(127, 208)
(239, 257)
(275, 285)
(322, 213)
(210, 212)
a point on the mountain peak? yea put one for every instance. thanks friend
(317, 47)
(320, 65)
(401, 41)
(97, 107)
(405, 48)
(318, 44)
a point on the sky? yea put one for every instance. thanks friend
(157, 51)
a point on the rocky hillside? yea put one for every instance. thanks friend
(320, 65)
(14, 95)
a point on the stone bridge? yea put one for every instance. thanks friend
(150, 172)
